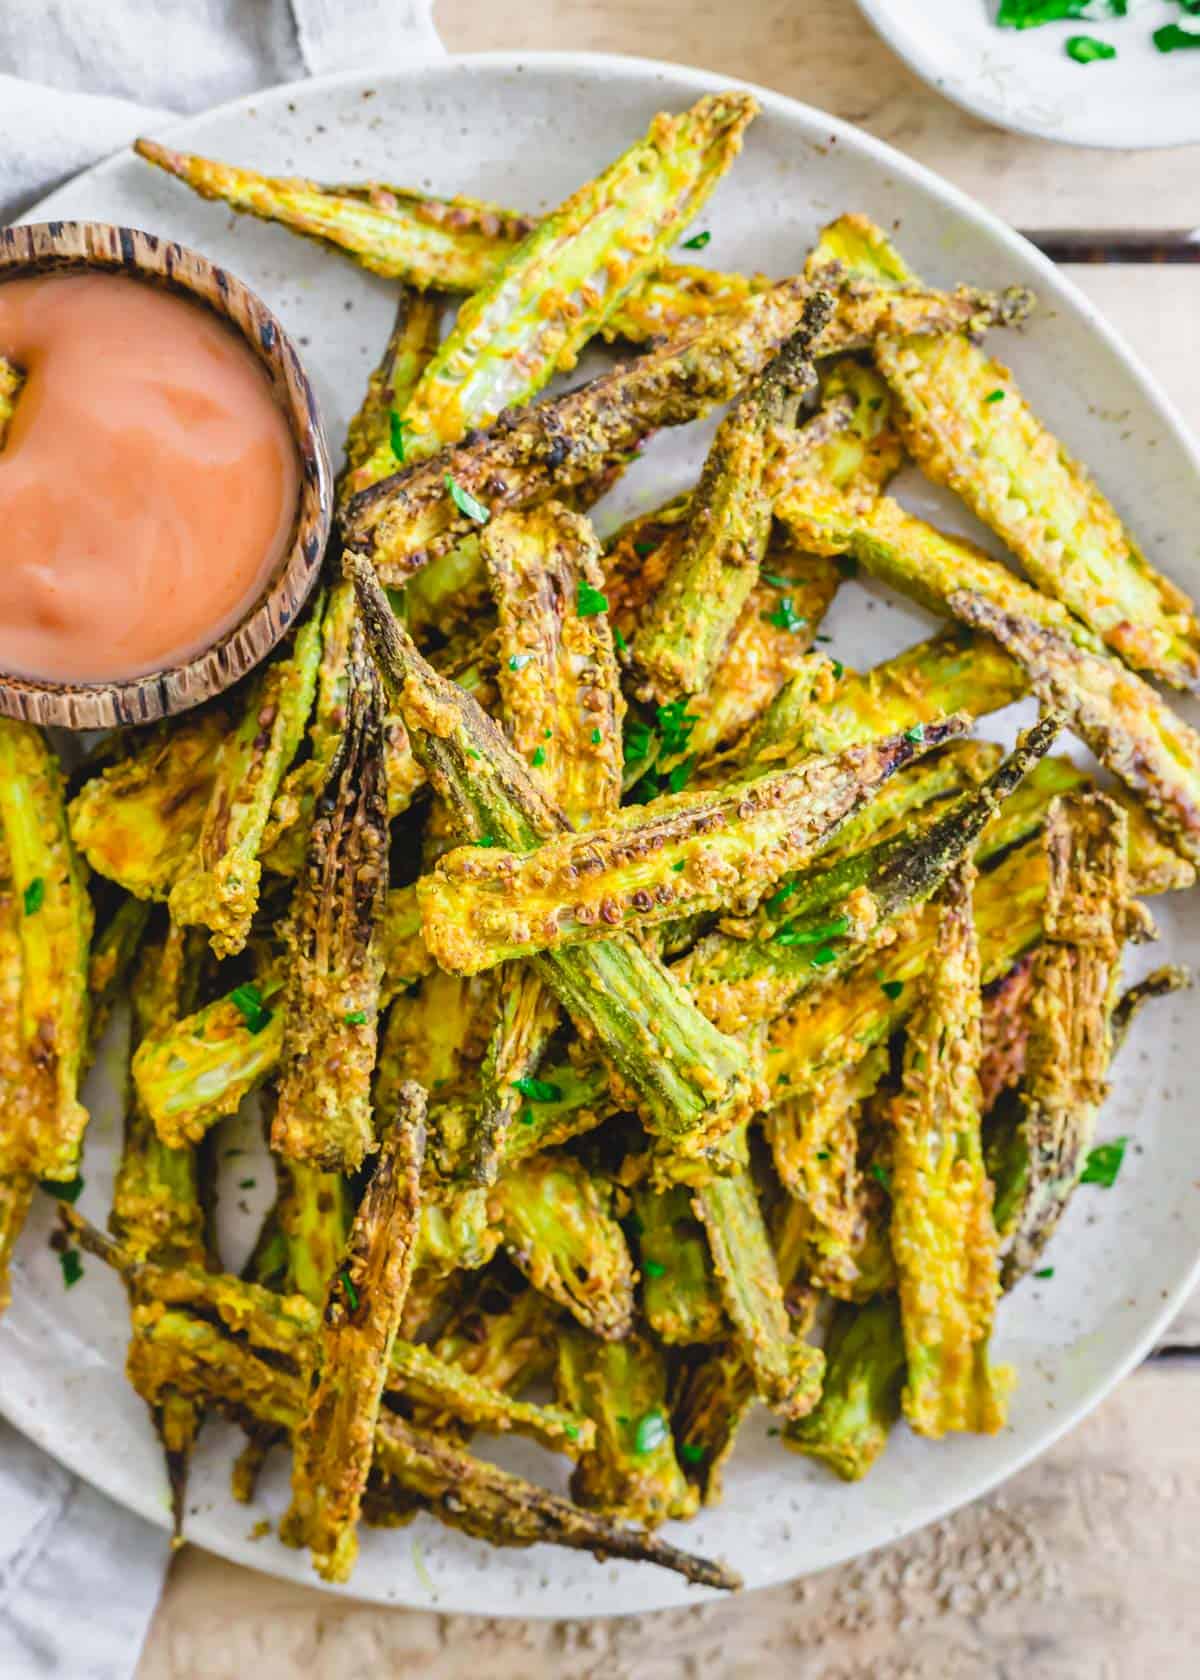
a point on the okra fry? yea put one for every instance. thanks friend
(943, 1236)
(113, 952)
(335, 967)
(458, 244)
(333, 1446)
(138, 822)
(528, 1017)
(313, 1212)
(1129, 728)
(412, 343)
(1076, 972)
(680, 1297)
(631, 1471)
(693, 613)
(680, 854)
(573, 270)
(557, 1229)
(690, 1082)
(11, 380)
(864, 1374)
(786, 1370)
(217, 886)
(816, 928)
(425, 1379)
(43, 1120)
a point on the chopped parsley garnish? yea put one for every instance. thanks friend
(824, 1154)
(619, 642)
(527, 1117)
(698, 241)
(891, 988)
(518, 661)
(68, 1192)
(351, 1292)
(650, 1432)
(785, 616)
(1031, 14)
(1171, 38)
(72, 1267)
(356, 1018)
(643, 549)
(778, 899)
(994, 397)
(547, 734)
(916, 733)
(571, 1431)
(823, 957)
(678, 868)
(881, 1176)
(1086, 49)
(681, 774)
(638, 737)
(247, 1183)
(486, 840)
(538, 1090)
(675, 725)
(1046, 1272)
(690, 1453)
(814, 936)
(597, 737)
(654, 1268)
(777, 582)
(589, 601)
(1104, 1163)
(465, 502)
(398, 429)
(539, 757)
(249, 1000)
(35, 896)
(839, 670)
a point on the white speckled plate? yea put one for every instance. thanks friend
(1024, 80)
(524, 131)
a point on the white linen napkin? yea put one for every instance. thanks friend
(79, 1576)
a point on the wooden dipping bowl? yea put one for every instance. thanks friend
(66, 247)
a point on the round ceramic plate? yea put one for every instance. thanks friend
(1024, 80)
(524, 131)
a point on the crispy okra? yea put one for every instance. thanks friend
(864, 1375)
(217, 885)
(335, 963)
(653, 863)
(680, 1296)
(375, 440)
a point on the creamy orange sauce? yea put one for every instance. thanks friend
(148, 482)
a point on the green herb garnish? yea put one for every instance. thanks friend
(994, 397)
(785, 616)
(698, 241)
(650, 1432)
(881, 1176)
(1086, 49)
(356, 1018)
(1171, 38)
(681, 774)
(653, 1268)
(891, 988)
(644, 549)
(538, 1090)
(690, 1453)
(813, 936)
(823, 957)
(1031, 14)
(619, 642)
(638, 737)
(68, 1192)
(465, 502)
(777, 582)
(538, 758)
(1104, 1163)
(916, 733)
(518, 661)
(351, 1292)
(398, 428)
(486, 840)
(597, 737)
(249, 1000)
(675, 725)
(678, 868)
(247, 1183)
(839, 670)
(589, 601)
(35, 896)
(1046, 1272)
(72, 1267)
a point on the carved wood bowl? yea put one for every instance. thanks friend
(62, 247)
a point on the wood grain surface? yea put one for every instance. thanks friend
(1083, 1567)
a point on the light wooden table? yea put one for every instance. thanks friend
(1087, 1565)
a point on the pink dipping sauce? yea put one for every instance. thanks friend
(148, 483)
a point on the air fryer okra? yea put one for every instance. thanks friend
(651, 1013)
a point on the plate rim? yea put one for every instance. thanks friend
(275, 1561)
(880, 14)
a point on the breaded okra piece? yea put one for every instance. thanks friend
(822, 924)
(631, 1472)
(377, 429)
(335, 963)
(681, 1299)
(11, 380)
(139, 820)
(333, 1446)
(464, 1492)
(823, 710)
(1129, 728)
(967, 426)
(113, 953)
(653, 863)
(943, 1236)
(864, 1374)
(313, 1212)
(557, 1228)
(43, 1120)
(1076, 973)
(565, 279)
(217, 886)
(692, 615)
(786, 1370)
(502, 1333)
(689, 1082)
